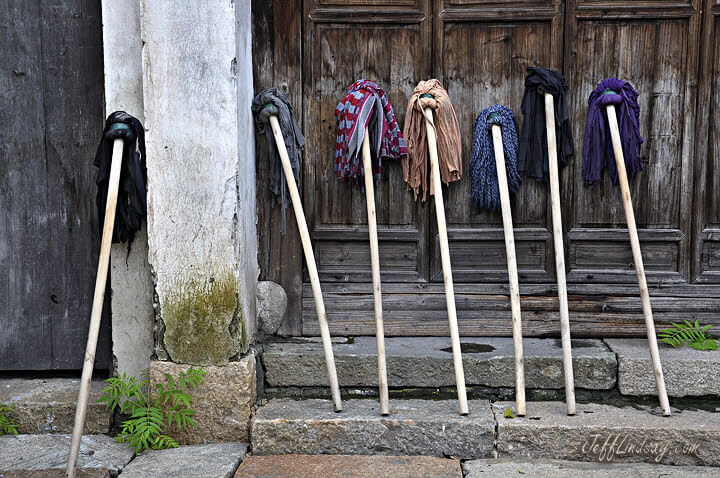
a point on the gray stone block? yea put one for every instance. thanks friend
(46, 452)
(47, 405)
(219, 460)
(573, 469)
(602, 433)
(688, 372)
(427, 362)
(222, 404)
(414, 427)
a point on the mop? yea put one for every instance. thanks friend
(619, 150)
(545, 141)
(121, 181)
(272, 107)
(492, 183)
(423, 132)
(366, 121)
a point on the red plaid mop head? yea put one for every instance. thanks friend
(366, 105)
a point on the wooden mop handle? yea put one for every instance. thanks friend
(512, 270)
(310, 259)
(97, 307)
(559, 254)
(445, 256)
(375, 261)
(637, 256)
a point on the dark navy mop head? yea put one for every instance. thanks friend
(131, 204)
(533, 153)
(273, 102)
(483, 171)
(366, 106)
(598, 150)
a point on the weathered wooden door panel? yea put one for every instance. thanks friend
(52, 116)
(706, 263)
(386, 42)
(482, 52)
(655, 46)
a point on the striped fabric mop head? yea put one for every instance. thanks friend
(485, 189)
(598, 151)
(366, 105)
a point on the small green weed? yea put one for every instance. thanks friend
(688, 334)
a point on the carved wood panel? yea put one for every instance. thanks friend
(386, 42)
(706, 263)
(654, 45)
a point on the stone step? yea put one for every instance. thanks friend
(603, 433)
(414, 427)
(47, 405)
(688, 372)
(46, 455)
(573, 469)
(424, 427)
(348, 466)
(427, 362)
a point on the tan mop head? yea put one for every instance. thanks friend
(431, 94)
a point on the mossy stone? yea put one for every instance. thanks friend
(202, 322)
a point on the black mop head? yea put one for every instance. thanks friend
(533, 152)
(131, 205)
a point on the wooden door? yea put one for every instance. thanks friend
(51, 94)
(480, 50)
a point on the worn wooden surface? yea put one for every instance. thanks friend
(52, 116)
(479, 50)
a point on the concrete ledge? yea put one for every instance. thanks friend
(218, 460)
(40, 455)
(602, 433)
(688, 372)
(414, 427)
(427, 362)
(571, 469)
(48, 405)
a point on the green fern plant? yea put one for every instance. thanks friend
(688, 334)
(7, 424)
(151, 413)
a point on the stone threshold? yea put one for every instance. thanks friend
(420, 362)
(608, 370)
(599, 433)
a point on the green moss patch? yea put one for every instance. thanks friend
(200, 322)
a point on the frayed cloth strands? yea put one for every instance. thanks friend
(483, 170)
(366, 105)
(447, 131)
(274, 102)
(598, 150)
(132, 199)
(533, 152)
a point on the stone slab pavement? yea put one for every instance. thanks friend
(33, 454)
(217, 460)
(573, 469)
(688, 372)
(427, 362)
(348, 466)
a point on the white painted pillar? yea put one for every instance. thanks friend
(197, 87)
(131, 281)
